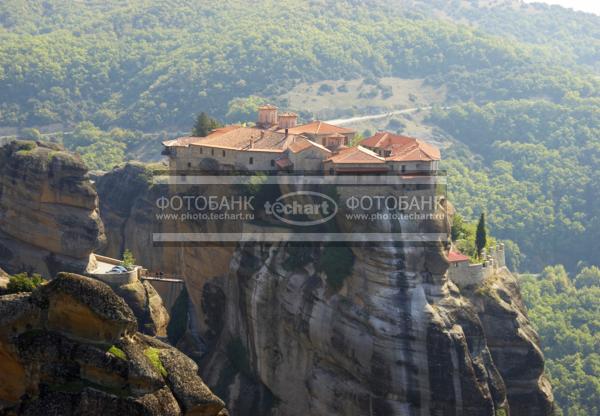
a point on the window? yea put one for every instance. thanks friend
(223, 153)
(201, 150)
(331, 171)
(403, 168)
(212, 152)
(272, 162)
(189, 164)
(251, 160)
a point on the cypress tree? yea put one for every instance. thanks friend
(481, 235)
(204, 125)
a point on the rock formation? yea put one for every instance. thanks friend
(49, 222)
(3, 279)
(49, 218)
(147, 306)
(392, 337)
(72, 348)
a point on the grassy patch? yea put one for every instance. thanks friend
(117, 352)
(153, 354)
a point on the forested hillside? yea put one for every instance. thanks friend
(565, 310)
(153, 64)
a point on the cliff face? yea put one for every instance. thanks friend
(396, 339)
(49, 219)
(71, 348)
(50, 222)
(393, 337)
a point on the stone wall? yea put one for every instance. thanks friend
(465, 274)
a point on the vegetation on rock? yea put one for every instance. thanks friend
(565, 310)
(23, 282)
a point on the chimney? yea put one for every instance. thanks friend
(267, 116)
(251, 142)
(287, 120)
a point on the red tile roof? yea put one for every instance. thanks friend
(356, 154)
(456, 257)
(319, 127)
(187, 140)
(402, 148)
(247, 138)
(300, 144)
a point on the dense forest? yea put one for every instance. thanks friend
(522, 110)
(565, 309)
(152, 65)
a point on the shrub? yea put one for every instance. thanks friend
(337, 263)
(297, 257)
(22, 282)
(128, 260)
(325, 88)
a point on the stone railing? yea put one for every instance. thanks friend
(102, 264)
(465, 274)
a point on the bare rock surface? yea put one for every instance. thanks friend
(49, 220)
(72, 347)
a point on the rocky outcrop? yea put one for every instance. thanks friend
(3, 279)
(50, 222)
(147, 305)
(397, 338)
(513, 343)
(393, 336)
(49, 218)
(72, 347)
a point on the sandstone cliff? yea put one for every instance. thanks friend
(392, 337)
(49, 218)
(49, 222)
(71, 348)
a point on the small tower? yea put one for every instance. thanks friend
(287, 120)
(267, 116)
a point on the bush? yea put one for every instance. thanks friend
(128, 260)
(325, 88)
(22, 282)
(297, 257)
(337, 263)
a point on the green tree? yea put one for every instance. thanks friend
(480, 235)
(31, 134)
(22, 282)
(128, 260)
(204, 125)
